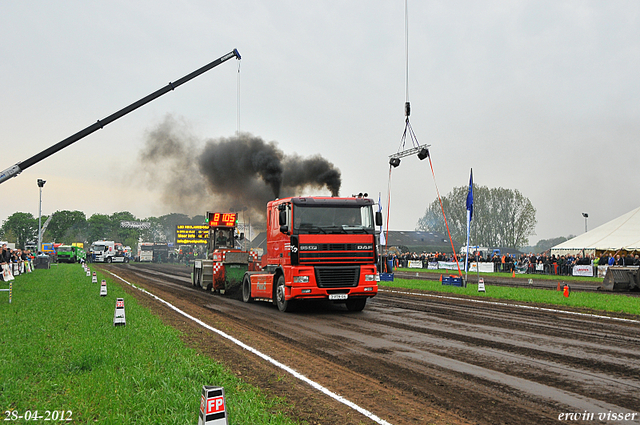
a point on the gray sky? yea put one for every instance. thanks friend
(539, 96)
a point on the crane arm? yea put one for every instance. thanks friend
(16, 169)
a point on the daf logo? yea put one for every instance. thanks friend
(363, 247)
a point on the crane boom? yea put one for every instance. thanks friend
(16, 169)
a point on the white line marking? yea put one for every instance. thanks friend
(530, 307)
(265, 357)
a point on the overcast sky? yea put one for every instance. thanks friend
(538, 96)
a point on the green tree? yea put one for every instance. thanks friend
(155, 233)
(501, 217)
(99, 227)
(169, 222)
(21, 228)
(126, 236)
(67, 226)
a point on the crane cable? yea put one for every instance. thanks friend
(414, 140)
(238, 103)
(455, 257)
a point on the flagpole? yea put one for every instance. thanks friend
(469, 216)
(466, 261)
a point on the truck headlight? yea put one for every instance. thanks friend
(301, 279)
(370, 277)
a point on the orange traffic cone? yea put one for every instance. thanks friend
(513, 274)
(566, 291)
(440, 278)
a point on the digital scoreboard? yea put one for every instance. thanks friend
(189, 234)
(222, 219)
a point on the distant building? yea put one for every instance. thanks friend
(418, 241)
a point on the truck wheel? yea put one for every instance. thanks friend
(356, 304)
(281, 302)
(194, 275)
(109, 260)
(246, 289)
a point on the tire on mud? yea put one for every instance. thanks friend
(246, 289)
(283, 305)
(356, 304)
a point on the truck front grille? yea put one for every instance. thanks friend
(337, 277)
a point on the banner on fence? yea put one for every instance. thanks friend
(602, 270)
(415, 264)
(449, 265)
(432, 266)
(583, 271)
(6, 273)
(481, 267)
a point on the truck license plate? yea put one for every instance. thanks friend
(338, 296)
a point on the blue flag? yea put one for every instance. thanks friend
(470, 196)
(383, 240)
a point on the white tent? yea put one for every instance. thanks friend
(622, 233)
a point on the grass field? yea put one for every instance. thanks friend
(60, 352)
(619, 303)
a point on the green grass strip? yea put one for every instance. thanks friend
(59, 351)
(618, 303)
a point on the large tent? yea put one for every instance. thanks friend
(620, 234)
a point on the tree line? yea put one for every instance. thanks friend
(501, 217)
(72, 226)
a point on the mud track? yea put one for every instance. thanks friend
(413, 359)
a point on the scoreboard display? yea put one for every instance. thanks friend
(189, 234)
(222, 219)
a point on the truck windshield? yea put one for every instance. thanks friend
(64, 249)
(333, 219)
(99, 248)
(146, 248)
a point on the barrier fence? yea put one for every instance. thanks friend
(490, 267)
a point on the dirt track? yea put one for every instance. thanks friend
(414, 359)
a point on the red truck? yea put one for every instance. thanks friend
(317, 248)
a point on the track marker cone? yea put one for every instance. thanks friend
(103, 288)
(212, 406)
(566, 291)
(118, 315)
(513, 273)
(481, 285)
(559, 286)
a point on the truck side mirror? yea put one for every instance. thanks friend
(378, 218)
(284, 229)
(282, 218)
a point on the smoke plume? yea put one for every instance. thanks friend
(233, 172)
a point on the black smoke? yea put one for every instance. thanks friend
(232, 172)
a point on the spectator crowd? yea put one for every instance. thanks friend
(14, 262)
(544, 263)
